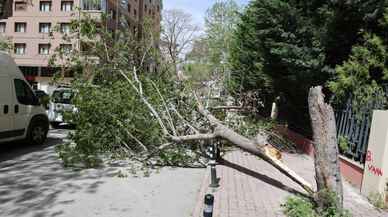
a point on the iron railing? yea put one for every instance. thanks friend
(355, 128)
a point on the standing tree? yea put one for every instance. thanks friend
(276, 52)
(220, 22)
(178, 33)
(362, 75)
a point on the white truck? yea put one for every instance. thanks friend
(22, 117)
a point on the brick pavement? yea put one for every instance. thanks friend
(250, 187)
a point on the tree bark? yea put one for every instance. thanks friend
(327, 171)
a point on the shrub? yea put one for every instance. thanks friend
(343, 144)
(300, 207)
(377, 200)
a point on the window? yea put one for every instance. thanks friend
(24, 93)
(129, 8)
(45, 6)
(29, 70)
(3, 25)
(67, 6)
(66, 48)
(44, 27)
(20, 6)
(65, 28)
(48, 71)
(135, 12)
(20, 48)
(92, 5)
(44, 49)
(20, 27)
(63, 96)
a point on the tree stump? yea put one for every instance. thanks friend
(326, 160)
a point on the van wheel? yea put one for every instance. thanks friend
(37, 133)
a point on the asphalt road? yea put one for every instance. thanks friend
(34, 183)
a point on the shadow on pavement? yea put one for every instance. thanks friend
(262, 177)
(12, 150)
(32, 178)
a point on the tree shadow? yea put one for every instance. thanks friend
(263, 178)
(33, 181)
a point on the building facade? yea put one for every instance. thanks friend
(30, 28)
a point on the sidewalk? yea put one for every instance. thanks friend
(250, 187)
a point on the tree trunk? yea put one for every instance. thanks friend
(251, 146)
(327, 171)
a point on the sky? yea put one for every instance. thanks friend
(196, 7)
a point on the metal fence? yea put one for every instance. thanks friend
(356, 128)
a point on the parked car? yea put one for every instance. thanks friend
(43, 97)
(21, 114)
(60, 103)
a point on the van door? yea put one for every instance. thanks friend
(23, 106)
(6, 101)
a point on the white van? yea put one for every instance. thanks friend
(21, 115)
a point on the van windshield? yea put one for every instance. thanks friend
(62, 96)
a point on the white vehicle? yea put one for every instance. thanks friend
(21, 115)
(59, 104)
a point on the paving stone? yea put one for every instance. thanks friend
(250, 187)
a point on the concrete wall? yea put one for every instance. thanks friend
(350, 170)
(376, 164)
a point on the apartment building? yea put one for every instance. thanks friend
(31, 22)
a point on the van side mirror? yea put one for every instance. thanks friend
(35, 101)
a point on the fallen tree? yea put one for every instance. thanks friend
(157, 125)
(328, 177)
(217, 130)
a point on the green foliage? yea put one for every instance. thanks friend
(359, 77)
(276, 53)
(301, 207)
(343, 144)
(111, 119)
(298, 207)
(5, 44)
(378, 200)
(220, 22)
(329, 207)
(282, 48)
(197, 72)
(249, 126)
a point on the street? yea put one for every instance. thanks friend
(34, 183)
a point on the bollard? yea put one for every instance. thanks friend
(213, 175)
(208, 208)
(213, 149)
